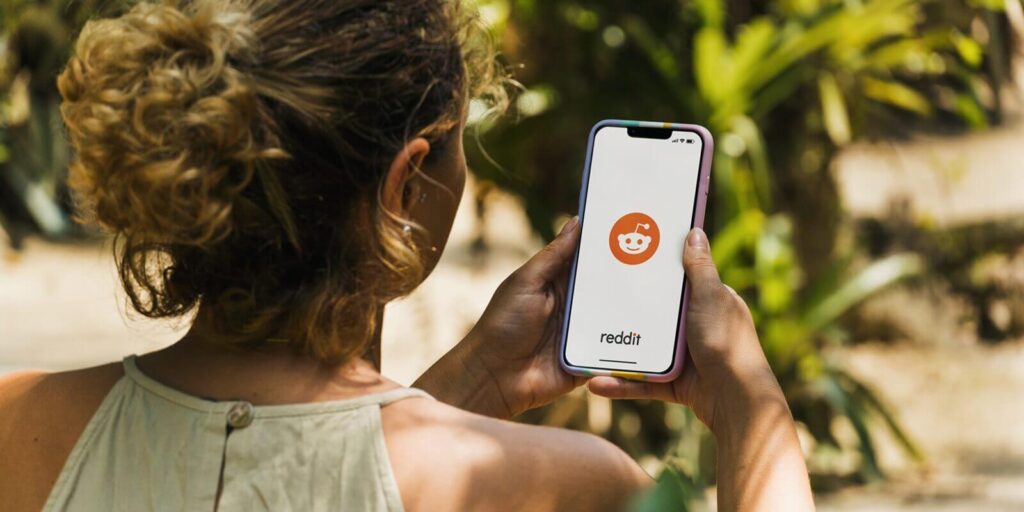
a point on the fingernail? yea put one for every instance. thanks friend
(570, 225)
(698, 240)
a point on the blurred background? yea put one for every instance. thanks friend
(868, 202)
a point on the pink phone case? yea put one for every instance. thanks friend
(703, 183)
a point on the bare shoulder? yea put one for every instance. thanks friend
(41, 417)
(446, 458)
(61, 396)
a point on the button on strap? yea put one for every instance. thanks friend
(240, 415)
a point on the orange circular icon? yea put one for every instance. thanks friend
(634, 238)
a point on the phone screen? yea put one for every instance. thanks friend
(638, 207)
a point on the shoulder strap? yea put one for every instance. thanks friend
(397, 394)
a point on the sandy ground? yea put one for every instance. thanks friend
(961, 401)
(963, 405)
(948, 180)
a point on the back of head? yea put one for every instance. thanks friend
(236, 149)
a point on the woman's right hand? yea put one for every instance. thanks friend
(724, 357)
(729, 385)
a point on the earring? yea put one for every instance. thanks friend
(407, 230)
(423, 197)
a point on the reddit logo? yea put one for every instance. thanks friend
(634, 238)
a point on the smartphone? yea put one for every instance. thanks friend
(645, 185)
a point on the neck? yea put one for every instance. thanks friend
(202, 337)
(372, 353)
(205, 365)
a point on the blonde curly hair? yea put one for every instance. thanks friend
(236, 149)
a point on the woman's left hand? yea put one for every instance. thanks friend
(508, 363)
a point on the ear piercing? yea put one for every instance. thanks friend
(407, 232)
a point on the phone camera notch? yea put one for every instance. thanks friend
(647, 132)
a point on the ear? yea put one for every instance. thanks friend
(399, 189)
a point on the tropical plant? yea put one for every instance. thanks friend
(783, 85)
(36, 39)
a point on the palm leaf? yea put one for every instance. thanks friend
(871, 280)
(870, 398)
(833, 108)
(842, 403)
(897, 95)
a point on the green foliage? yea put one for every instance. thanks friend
(673, 491)
(793, 328)
(783, 85)
(36, 41)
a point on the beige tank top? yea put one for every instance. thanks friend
(150, 447)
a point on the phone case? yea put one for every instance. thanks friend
(700, 205)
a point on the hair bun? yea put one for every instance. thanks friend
(163, 120)
(175, 109)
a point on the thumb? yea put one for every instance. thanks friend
(700, 268)
(622, 389)
(548, 264)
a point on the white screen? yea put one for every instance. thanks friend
(625, 316)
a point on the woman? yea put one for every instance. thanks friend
(276, 172)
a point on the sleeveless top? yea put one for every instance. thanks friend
(150, 447)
